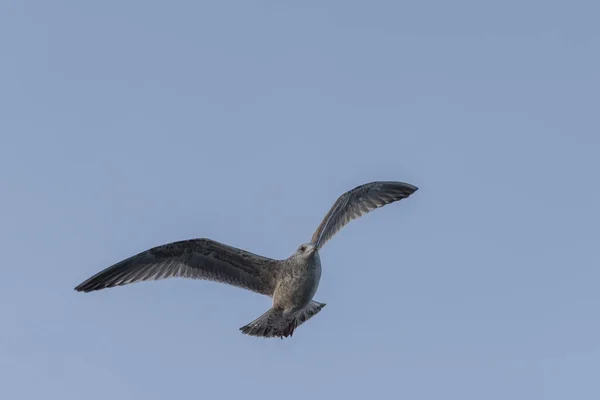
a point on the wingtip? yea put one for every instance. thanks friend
(409, 187)
(399, 185)
(84, 287)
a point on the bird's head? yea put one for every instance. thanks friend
(306, 250)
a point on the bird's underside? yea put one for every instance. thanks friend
(214, 261)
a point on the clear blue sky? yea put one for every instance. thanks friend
(128, 124)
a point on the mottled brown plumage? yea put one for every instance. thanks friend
(291, 283)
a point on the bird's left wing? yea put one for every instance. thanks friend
(357, 202)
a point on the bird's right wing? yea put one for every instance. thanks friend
(357, 202)
(197, 259)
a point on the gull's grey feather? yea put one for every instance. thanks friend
(196, 259)
(271, 324)
(291, 283)
(356, 203)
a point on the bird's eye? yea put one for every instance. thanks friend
(302, 248)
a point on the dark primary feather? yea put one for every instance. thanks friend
(357, 202)
(196, 259)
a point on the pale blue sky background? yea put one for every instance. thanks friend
(128, 124)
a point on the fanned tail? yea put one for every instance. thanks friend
(273, 324)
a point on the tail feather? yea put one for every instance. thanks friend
(273, 324)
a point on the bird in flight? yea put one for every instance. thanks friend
(291, 282)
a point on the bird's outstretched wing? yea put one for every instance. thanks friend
(357, 202)
(196, 259)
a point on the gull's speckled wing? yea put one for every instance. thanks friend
(196, 259)
(357, 202)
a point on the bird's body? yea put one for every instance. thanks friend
(292, 282)
(299, 280)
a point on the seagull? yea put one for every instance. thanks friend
(291, 282)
